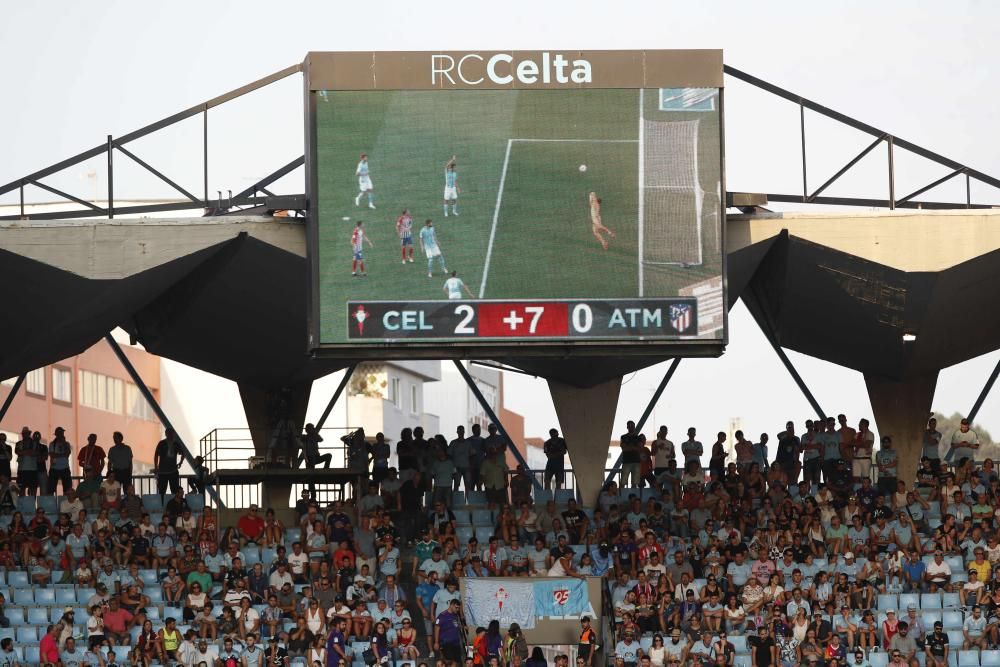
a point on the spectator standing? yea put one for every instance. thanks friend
(6, 456)
(59, 453)
(310, 448)
(166, 463)
(91, 457)
(458, 452)
(630, 456)
(28, 454)
(930, 447)
(120, 459)
(691, 448)
(887, 462)
(555, 460)
(964, 442)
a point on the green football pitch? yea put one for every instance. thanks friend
(523, 229)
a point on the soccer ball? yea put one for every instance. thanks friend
(583, 168)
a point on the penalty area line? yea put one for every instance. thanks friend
(496, 216)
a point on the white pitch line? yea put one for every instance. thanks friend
(581, 141)
(496, 216)
(642, 203)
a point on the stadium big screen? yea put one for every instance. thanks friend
(519, 199)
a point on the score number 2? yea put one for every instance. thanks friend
(467, 313)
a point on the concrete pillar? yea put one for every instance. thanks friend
(586, 417)
(270, 411)
(901, 409)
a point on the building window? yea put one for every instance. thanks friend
(414, 402)
(62, 384)
(138, 406)
(35, 382)
(101, 392)
(395, 395)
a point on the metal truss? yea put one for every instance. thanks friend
(260, 198)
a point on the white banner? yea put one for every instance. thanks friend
(504, 601)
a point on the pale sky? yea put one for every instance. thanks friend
(75, 72)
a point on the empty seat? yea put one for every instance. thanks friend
(65, 596)
(878, 659)
(458, 499)
(26, 634)
(45, 596)
(887, 602)
(563, 496)
(152, 502)
(989, 658)
(482, 518)
(24, 596)
(542, 496)
(32, 655)
(251, 555)
(84, 594)
(37, 616)
(930, 616)
(149, 577)
(463, 518)
(955, 563)
(952, 620)
(196, 502)
(15, 615)
(26, 505)
(267, 555)
(955, 638)
(172, 612)
(907, 599)
(930, 600)
(968, 658)
(18, 579)
(121, 653)
(155, 594)
(476, 497)
(55, 614)
(153, 612)
(950, 600)
(739, 643)
(645, 643)
(742, 660)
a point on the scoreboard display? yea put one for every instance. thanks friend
(515, 200)
(641, 319)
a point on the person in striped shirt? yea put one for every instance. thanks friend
(404, 227)
(358, 240)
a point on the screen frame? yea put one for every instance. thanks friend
(465, 349)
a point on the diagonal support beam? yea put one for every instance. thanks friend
(803, 387)
(984, 393)
(930, 186)
(843, 170)
(336, 395)
(68, 196)
(151, 400)
(142, 163)
(488, 409)
(10, 397)
(271, 178)
(648, 411)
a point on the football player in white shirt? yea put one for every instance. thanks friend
(364, 182)
(453, 287)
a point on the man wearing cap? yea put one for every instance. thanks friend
(972, 590)
(936, 647)
(916, 625)
(938, 573)
(974, 630)
(676, 647)
(448, 632)
(275, 653)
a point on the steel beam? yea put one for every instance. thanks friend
(984, 393)
(795, 376)
(70, 197)
(157, 173)
(10, 397)
(151, 400)
(843, 170)
(336, 395)
(648, 411)
(493, 418)
(159, 208)
(272, 177)
(924, 189)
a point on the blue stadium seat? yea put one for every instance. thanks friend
(291, 537)
(55, 614)
(26, 505)
(152, 502)
(462, 518)
(267, 555)
(542, 496)
(65, 596)
(156, 518)
(935, 509)
(81, 612)
(38, 616)
(645, 643)
(45, 596)
(955, 638)
(18, 579)
(887, 602)
(48, 503)
(482, 518)
(24, 596)
(175, 613)
(463, 534)
(153, 612)
(84, 594)
(906, 599)
(155, 594)
(952, 620)
(955, 563)
(149, 577)
(878, 659)
(476, 497)
(458, 499)
(26, 634)
(563, 496)
(15, 615)
(121, 653)
(739, 643)
(196, 502)
(742, 660)
(930, 600)
(134, 634)
(251, 555)
(989, 658)
(950, 600)
(930, 616)
(32, 655)
(968, 658)
(959, 577)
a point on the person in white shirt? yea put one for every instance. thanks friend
(938, 573)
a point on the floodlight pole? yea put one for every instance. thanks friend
(10, 396)
(336, 395)
(982, 395)
(148, 395)
(493, 418)
(648, 411)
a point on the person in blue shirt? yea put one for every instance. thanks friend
(913, 571)
(336, 649)
(426, 591)
(448, 633)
